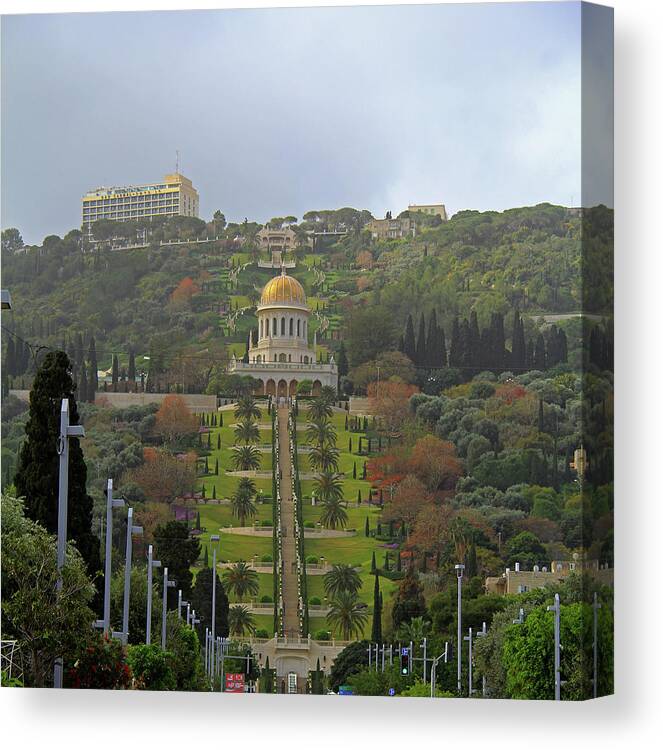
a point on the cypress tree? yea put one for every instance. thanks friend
(409, 345)
(539, 354)
(203, 492)
(93, 366)
(206, 558)
(442, 358)
(373, 565)
(399, 562)
(342, 361)
(367, 530)
(82, 385)
(115, 371)
(213, 492)
(198, 524)
(363, 475)
(216, 467)
(80, 351)
(10, 361)
(220, 425)
(38, 462)
(218, 442)
(420, 354)
(386, 561)
(432, 342)
(206, 466)
(472, 565)
(131, 370)
(359, 499)
(354, 469)
(541, 420)
(518, 350)
(456, 351)
(376, 628)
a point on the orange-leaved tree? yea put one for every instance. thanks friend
(435, 463)
(174, 420)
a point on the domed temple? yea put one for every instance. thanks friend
(279, 355)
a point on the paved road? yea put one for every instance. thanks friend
(291, 616)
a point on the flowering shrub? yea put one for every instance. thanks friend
(101, 665)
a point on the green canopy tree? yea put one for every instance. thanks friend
(178, 552)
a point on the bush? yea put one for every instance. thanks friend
(101, 665)
(261, 633)
(482, 390)
(312, 560)
(151, 668)
(266, 559)
(266, 599)
(309, 525)
(322, 635)
(267, 524)
(315, 600)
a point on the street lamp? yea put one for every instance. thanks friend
(556, 609)
(131, 530)
(66, 431)
(151, 565)
(180, 603)
(469, 664)
(168, 583)
(111, 502)
(478, 634)
(215, 538)
(459, 575)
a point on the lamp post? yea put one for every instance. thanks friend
(111, 502)
(151, 564)
(433, 669)
(215, 538)
(596, 606)
(66, 431)
(131, 530)
(478, 634)
(459, 636)
(555, 608)
(469, 664)
(180, 603)
(168, 583)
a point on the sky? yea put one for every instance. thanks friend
(279, 111)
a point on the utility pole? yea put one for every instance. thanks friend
(558, 684)
(167, 584)
(151, 564)
(66, 431)
(459, 636)
(214, 539)
(131, 530)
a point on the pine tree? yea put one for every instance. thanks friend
(37, 473)
(409, 345)
(376, 628)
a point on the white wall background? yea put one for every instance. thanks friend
(630, 719)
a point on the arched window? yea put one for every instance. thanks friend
(305, 360)
(275, 358)
(273, 326)
(261, 327)
(291, 326)
(282, 326)
(299, 333)
(281, 357)
(289, 357)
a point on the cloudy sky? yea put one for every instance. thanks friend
(280, 111)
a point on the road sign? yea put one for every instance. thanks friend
(234, 683)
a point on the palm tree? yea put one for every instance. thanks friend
(240, 620)
(242, 502)
(240, 580)
(321, 433)
(328, 486)
(245, 457)
(415, 630)
(328, 394)
(333, 513)
(247, 432)
(324, 458)
(247, 409)
(319, 409)
(341, 578)
(348, 614)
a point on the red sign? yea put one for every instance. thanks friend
(234, 683)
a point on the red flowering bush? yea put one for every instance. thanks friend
(101, 665)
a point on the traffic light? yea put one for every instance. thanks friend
(405, 660)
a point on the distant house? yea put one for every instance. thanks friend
(391, 229)
(517, 580)
(430, 209)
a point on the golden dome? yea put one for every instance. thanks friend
(283, 289)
